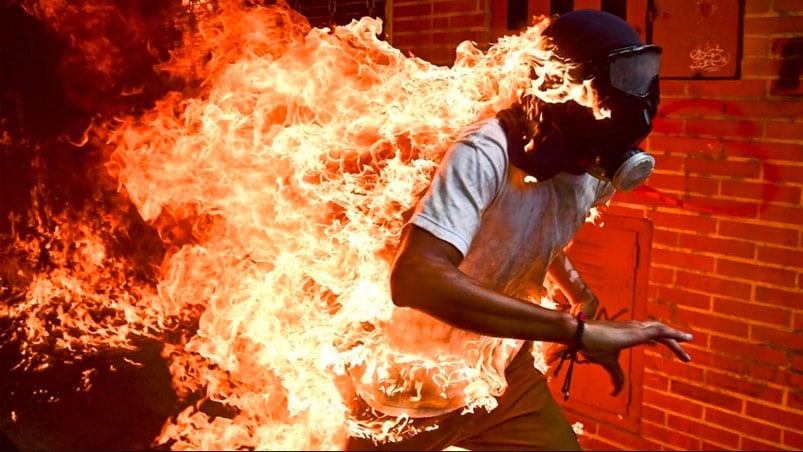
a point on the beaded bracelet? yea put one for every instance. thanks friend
(571, 354)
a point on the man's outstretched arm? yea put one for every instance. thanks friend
(425, 276)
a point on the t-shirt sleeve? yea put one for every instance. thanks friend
(470, 175)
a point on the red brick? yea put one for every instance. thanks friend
(765, 109)
(793, 439)
(714, 167)
(720, 206)
(684, 222)
(723, 128)
(708, 358)
(787, 6)
(785, 339)
(702, 185)
(707, 394)
(711, 322)
(692, 146)
(653, 415)
(777, 314)
(781, 256)
(676, 439)
(784, 173)
(772, 25)
(758, 444)
(412, 25)
(468, 21)
(671, 88)
(751, 388)
(755, 46)
(686, 108)
(453, 6)
(722, 437)
(795, 400)
(766, 151)
(762, 67)
(665, 237)
(790, 298)
(670, 403)
(757, 7)
(788, 214)
(681, 297)
(672, 182)
(685, 260)
(784, 130)
(669, 126)
(743, 424)
(721, 246)
(659, 310)
(758, 232)
(748, 348)
(761, 191)
(772, 373)
(744, 88)
(411, 10)
(668, 162)
(412, 40)
(755, 271)
(671, 366)
(713, 285)
(774, 414)
(439, 23)
(661, 275)
(655, 381)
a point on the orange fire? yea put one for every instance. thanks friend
(277, 186)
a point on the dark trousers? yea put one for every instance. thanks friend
(527, 418)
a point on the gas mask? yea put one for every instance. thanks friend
(570, 139)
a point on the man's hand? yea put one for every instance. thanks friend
(612, 336)
(603, 340)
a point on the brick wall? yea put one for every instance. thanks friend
(727, 251)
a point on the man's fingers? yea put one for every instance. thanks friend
(676, 349)
(672, 338)
(617, 375)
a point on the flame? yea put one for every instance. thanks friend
(277, 182)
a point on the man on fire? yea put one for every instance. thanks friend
(482, 241)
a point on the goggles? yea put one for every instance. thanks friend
(633, 69)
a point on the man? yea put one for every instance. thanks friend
(481, 242)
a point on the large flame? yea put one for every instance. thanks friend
(277, 186)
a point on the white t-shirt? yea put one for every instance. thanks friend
(508, 230)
